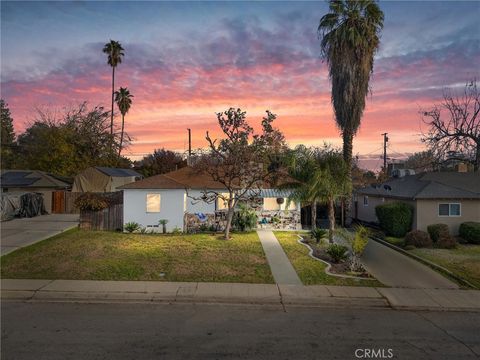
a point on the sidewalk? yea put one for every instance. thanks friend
(282, 270)
(235, 293)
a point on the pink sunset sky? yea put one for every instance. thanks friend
(186, 61)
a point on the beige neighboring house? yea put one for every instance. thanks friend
(103, 179)
(438, 197)
(21, 181)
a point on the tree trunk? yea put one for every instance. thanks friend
(347, 157)
(331, 220)
(121, 136)
(314, 215)
(113, 98)
(476, 166)
(228, 225)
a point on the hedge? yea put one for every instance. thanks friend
(437, 231)
(470, 231)
(395, 218)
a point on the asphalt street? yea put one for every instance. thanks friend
(49, 330)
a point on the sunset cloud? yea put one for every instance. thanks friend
(258, 62)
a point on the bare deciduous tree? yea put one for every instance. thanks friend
(459, 129)
(241, 162)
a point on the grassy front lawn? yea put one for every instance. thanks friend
(310, 271)
(91, 255)
(463, 260)
(400, 242)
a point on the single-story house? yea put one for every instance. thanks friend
(438, 197)
(22, 181)
(103, 179)
(175, 197)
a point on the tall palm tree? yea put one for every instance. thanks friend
(349, 40)
(123, 98)
(114, 50)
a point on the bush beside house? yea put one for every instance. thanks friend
(438, 231)
(418, 239)
(470, 232)
(395, 218)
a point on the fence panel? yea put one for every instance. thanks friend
(63, 202)
(110, 219)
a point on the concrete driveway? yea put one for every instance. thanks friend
(18, 233)
(397, 270)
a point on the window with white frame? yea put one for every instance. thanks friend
(153, 203)
(449, 209)
(365, 201)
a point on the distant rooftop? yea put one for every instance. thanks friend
(434, 185)
(116, 172)
(31, 178)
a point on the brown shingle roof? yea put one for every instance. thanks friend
(186, 177)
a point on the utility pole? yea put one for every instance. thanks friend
(385, 140)
(189, 146)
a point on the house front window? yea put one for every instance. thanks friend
(449, 209)
(365, 201)
(271, 203)
(153, 203)
(222, 201)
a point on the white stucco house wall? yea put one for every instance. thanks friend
(172, 197)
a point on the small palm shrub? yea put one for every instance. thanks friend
(131, 226)
(337, 252)
(418, 238)
(470, 232)
(437, 231)
(318, 234)
(163, 222)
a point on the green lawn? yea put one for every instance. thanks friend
(310, 271)
(95, 255)
(463, 261)
(400, 242)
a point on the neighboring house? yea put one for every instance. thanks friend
(103, 179)
(20, 181)
(172, 197)
(437, 197)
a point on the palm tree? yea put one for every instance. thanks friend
(123, 98)
(330, 182)
(350, 39)
(301, 166)
(319, 176)
(114, 51)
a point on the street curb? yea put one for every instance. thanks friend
(428, 263)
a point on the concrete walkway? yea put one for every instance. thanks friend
(394, 269)
(282, 270)
(235, 293)
(18, 233)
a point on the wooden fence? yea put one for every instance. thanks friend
(110, 218)
(63, 202)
